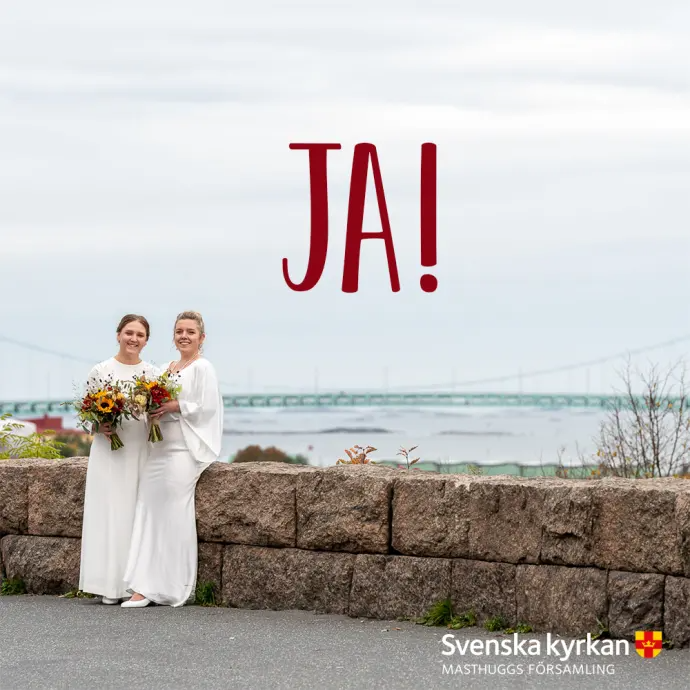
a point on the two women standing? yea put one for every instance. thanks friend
(160, 558)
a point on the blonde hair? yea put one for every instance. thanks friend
(192, 316)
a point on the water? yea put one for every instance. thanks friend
(482, 436)
(475, 435)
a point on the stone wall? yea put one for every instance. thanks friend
(559, 555)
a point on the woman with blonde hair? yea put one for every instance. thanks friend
(162, 565)
(112, 476)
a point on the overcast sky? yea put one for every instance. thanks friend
(145, 166)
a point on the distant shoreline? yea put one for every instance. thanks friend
(354, 430)
(334, 430)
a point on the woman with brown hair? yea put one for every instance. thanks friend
(112, 477)
(162, 564)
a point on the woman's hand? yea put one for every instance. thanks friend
(165, 408)
(106, 429)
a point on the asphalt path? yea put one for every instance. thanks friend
(65, 644)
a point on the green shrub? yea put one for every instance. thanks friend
(442, 614)
(205, 594)
(36, 445)
(464, 620)
(271, 454)
(496, 624)
(12, 586)
(522, 628)
(74, 445)
(78, 594)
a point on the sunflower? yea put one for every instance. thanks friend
(105, 405)
(151, 384)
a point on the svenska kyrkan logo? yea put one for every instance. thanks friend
(648, 643)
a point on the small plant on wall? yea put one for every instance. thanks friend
(405, 452)
(357, 456)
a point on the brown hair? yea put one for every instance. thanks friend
(129, 318)
(192, 316)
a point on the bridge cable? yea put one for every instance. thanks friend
(63, 355)
(553, 370)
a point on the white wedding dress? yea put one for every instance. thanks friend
(112, 482)
(162, 563)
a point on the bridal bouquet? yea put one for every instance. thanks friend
(148, 395)
(104, 403)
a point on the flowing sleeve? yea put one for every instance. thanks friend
(201, 414)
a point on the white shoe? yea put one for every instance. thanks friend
(108, 600)
(129, 604)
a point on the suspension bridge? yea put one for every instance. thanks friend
(441, 395)
(548, 401)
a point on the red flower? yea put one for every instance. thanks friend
(159, 395)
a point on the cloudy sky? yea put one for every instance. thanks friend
(145, 166)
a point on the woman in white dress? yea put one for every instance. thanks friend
(112, 477)
(162, 565)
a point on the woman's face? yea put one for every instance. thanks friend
(132, 338)
(188, 337)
